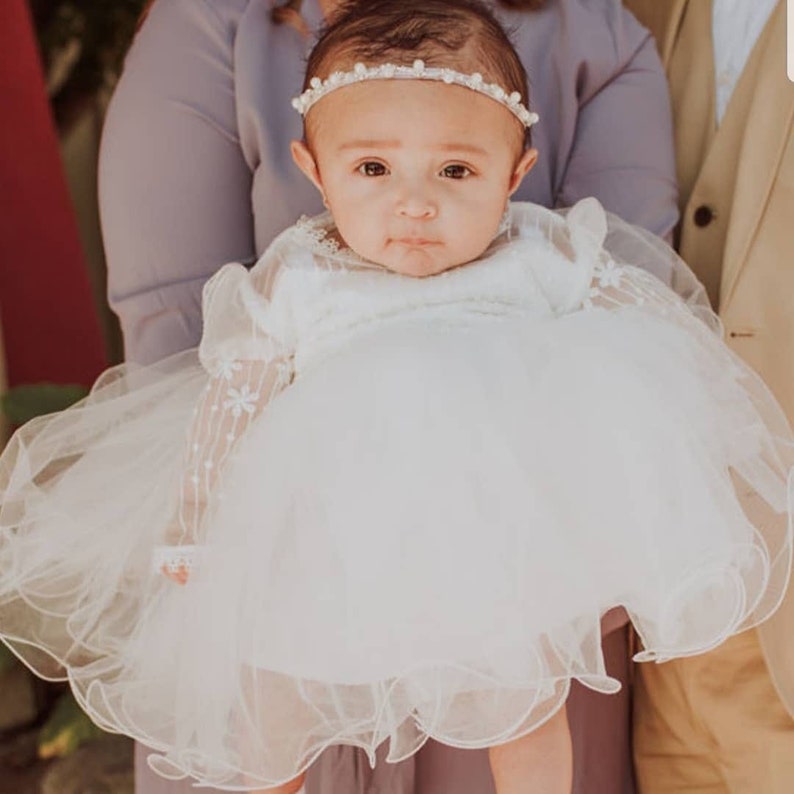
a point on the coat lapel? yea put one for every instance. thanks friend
(690, 70)
(663, 19)
(767, 132)
(675, 16)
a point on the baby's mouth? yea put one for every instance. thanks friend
(415, 242)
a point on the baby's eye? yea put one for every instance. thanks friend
(373, 168)
(455, 171)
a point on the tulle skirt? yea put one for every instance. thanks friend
(417, 538)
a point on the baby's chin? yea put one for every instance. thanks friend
(420, 261)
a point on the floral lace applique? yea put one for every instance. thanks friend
(608, 274)
(226, 367)
(617, 286)
(606, 279)
(239, 400)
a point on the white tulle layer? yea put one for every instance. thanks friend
(451, 588)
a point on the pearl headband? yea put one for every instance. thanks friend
(389, 71)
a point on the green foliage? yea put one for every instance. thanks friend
(66, 729)
(22, 403)
(82, 43)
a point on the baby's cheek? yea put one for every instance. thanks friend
(472, 240)
(366, 241)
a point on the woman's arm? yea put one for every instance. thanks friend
(174, 188)
(623, 147)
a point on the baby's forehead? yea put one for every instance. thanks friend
(404, 115)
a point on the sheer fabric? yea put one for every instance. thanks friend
(574, 432)
(248, 365)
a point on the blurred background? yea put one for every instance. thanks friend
(81, 44)
(59, 61)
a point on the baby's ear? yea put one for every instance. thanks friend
(304, 159)
(522, 168)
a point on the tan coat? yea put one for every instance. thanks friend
(737, 205)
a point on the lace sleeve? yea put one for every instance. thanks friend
(631, 267)
(247, 355)
(231, 401)
(600, 261)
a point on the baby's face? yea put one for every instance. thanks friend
(416, 173)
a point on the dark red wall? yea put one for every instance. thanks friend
(50, 327)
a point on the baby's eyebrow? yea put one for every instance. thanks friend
(372, 144)
(461, 147)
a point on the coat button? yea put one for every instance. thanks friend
(703, 216)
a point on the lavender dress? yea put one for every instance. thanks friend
(195, 171)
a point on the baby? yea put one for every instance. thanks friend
(432, 437)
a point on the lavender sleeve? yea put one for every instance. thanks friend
(175, 190)
(606, 124)
(623, 150)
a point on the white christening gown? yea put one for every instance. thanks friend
(406, 502)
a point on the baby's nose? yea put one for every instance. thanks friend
(416, 203)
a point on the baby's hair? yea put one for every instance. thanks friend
(459, 34)
(288, 11)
